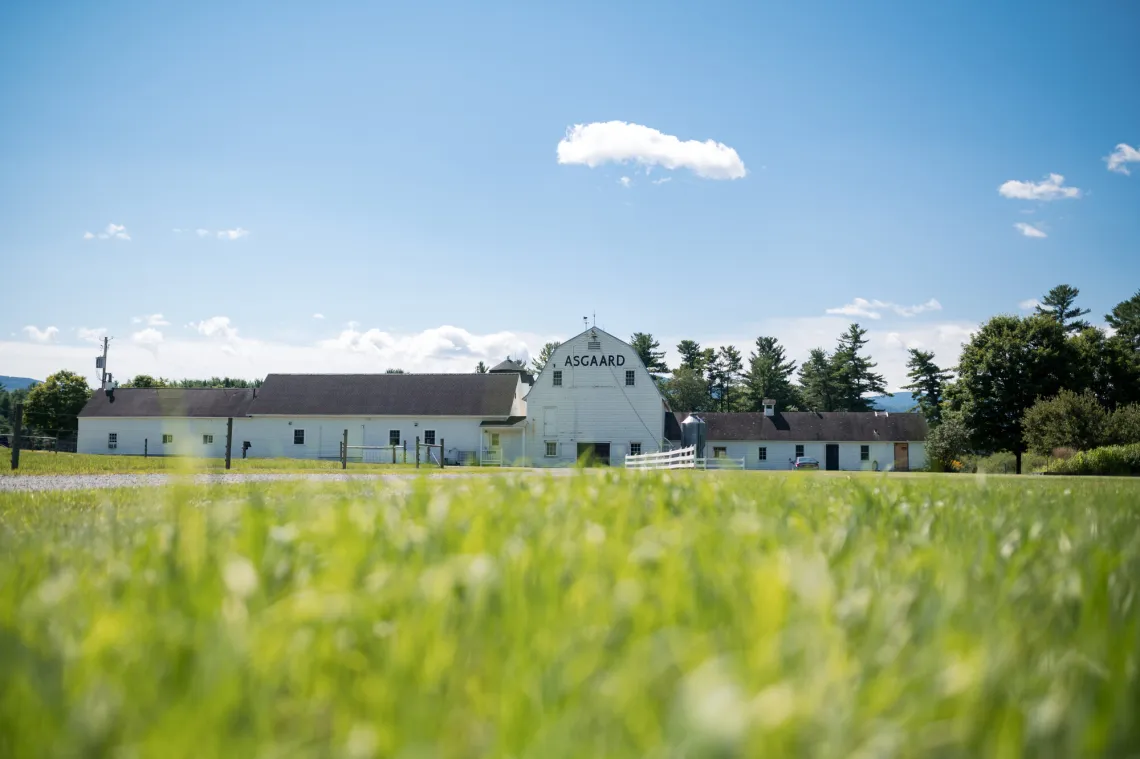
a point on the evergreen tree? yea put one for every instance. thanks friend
(544, 356)
(820, 389)
(692, 356)
(1125, 319)
(927, 382)
(1058, 304)
(769, 376)
(730, 364)
(648, 350)
(687, 390)
(853, 372)
(480, 368)
(1106, 366)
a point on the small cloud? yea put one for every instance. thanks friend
(619, 142)
(662, 180)
(1123, 154)
(216, 326)
(1029, 304)
(873, 309)
(318, 316)
(91, 335)
(232, 234)
(202, 232)
(110, 232)
(1028, 230)
(148, 338)
(177, 231)
(1048, 189)
(45, 335)
(625, 182)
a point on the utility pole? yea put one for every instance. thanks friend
(101, 363)
(18, 431)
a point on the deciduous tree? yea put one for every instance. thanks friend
(53, 406)
(1067, 420)
(1008, 364)
(1125, 319)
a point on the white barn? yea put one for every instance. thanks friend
(594, 396)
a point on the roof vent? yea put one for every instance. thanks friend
(769, 407)
(881, 413)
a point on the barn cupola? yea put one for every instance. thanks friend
(769, 407)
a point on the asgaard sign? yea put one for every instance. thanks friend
(595, 360)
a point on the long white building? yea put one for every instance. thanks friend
(594, 396)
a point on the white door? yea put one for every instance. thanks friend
(550, 421)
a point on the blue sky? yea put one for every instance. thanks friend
(394, 168)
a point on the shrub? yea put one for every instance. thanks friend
(1068, 420)
(1124, 425)
(947, 443)
(1120, 460)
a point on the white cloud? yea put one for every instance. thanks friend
(662, 180)
(625, 182)
(45, 335)
(232, 234)
(1029, 304)
(442, 349)
(148, 338)
(873, 309)
(318, 316)
(156, 320)
(1048, 189)
(110, 232)
(618, 142)
(1028, 230)
(91, 335)
(1122, 155)
(216, 326)
(202, 232)
(177, 231)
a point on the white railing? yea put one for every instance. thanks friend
(682, 458)
(493, 457)
(719, 462)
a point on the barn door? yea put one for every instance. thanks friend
(550, 421)
(902, 457)
(832, 458)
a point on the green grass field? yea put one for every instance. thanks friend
(607, 614)
(40, 462)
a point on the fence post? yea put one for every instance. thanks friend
(18, 430)
(229, 439)
(417, 451)
(344, 451)
(405, 451)
(393, 455)
(146, 448)
(442, 448)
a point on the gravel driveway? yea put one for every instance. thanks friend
(49, 482)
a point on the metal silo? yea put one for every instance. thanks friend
(693, 432)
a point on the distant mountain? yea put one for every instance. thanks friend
(17, 383)
(898, 403)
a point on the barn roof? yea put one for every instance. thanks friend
(801, 426)
(170, 402)
(386, 395)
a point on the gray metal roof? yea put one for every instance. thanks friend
(509, 365)
(487, 395)
(170, 402)
(801, 426)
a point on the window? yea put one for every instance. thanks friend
(393, 437)
(298, 437)
(558, 378)
(167, 439)
(720, 452)
(112, 440)
(630, 376)
(864, 453)
(762, 454)
(635, 449)
(207, 440)
(429, 437)
(799, 451)
(551, 449)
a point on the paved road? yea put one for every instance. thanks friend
(51, 482)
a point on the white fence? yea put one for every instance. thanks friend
(719, 463)
(682, 458)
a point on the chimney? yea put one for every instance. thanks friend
(769, 407)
